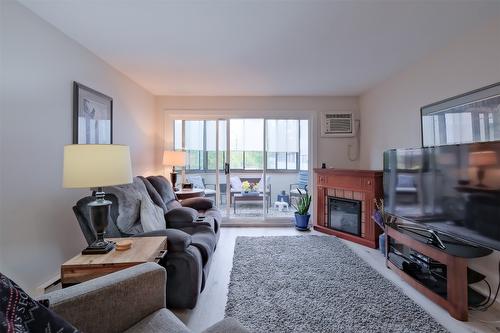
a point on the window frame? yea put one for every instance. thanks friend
(204, 154)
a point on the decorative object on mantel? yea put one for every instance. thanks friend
(382, 219)
(344, 204)
(92, 116)
(96, 166)
(174, 159)
(302, 215)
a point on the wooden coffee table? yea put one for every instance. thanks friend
(86, 267)
(190, 193)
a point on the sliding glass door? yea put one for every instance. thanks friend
(246, 160)
(253, 168)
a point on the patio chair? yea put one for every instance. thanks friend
(302, 182)
(199, 182)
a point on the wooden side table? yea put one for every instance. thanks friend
(86, 267)
(190, 193)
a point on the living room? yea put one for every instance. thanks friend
(259, 79)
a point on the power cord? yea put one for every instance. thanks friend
(486, 306)
(358, 143)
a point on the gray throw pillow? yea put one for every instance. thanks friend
(129, 205)
(151, 215)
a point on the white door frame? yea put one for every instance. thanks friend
(169, 115)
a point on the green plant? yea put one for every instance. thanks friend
(303, 203)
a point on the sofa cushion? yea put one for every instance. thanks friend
(227, 325)
(163, 187)
(205, 241)
(152, 216)
(129, 198)
(198, 203)
(161, 321)
(21, 314)
(154, 195)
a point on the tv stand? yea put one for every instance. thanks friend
(433, 236)
(441, 274)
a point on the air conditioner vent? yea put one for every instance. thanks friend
(337, 125)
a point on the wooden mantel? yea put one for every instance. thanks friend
(362, 185)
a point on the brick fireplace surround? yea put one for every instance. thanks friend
(362, 185)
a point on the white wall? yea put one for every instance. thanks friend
(332, 151)
(40, 63)
(390, 112)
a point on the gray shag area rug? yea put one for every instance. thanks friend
(315, 284)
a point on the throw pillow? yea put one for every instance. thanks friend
(20, 313)
(152, 218)
(235, 183)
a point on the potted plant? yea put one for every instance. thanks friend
(249, 188)
(302, 211)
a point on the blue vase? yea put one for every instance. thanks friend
(302, 221)
(381, 243)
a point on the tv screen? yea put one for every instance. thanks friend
(452, 189)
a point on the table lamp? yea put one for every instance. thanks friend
(96, 166)
(174, 159)
(482, 160)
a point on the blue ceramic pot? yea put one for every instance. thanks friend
(302, 221)
(381, 243)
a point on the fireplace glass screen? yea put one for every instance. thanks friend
(344, 215)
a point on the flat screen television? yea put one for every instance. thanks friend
(454, 189)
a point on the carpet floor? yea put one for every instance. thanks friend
(315, 284)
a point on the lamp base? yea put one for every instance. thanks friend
(99, 215)
(99, 247)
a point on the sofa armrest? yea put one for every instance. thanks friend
(114, 302)
(225, 326)
(177, 240)
(182, 214)
(199, 203)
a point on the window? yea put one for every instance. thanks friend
(211, 130)
(247, 144)
(189, 134)
(286, 146)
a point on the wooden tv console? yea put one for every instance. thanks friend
(454, 257)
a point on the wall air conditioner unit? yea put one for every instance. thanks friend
(337, 124)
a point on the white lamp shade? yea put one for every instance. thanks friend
(89, 166)
(174, 158)
(483, 158)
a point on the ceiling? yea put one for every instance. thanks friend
(261, 48)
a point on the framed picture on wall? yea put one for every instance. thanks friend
(467, 118)
(92, 116)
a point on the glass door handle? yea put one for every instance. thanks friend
(226, 168)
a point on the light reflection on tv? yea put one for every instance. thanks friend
(454, 189)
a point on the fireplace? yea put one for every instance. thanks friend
(344, 215)
(345, 204)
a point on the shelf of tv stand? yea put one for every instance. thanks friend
(456, 301)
